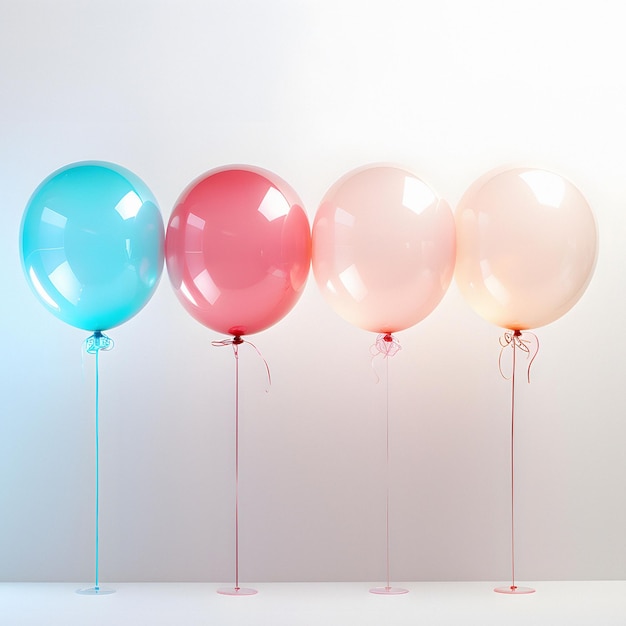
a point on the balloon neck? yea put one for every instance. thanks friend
(237, 340)
(388, 338)
(517, 333)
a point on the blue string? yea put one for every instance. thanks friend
(97, 585)
(93, 344)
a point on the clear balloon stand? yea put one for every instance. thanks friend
(386, 345)
(94, 345)
(527, 343)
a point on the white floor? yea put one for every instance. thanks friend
(320, 604)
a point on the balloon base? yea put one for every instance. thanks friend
(514, 590)
(95, 591)
(388, 591)
(237, 591)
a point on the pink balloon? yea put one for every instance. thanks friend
(238, 249)
(383, 248)
(527, 247)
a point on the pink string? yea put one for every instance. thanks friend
(529, 343)
(524, 340)
(235, 342)
(386, 345)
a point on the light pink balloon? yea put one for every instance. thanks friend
(383, 248)
(526, 247)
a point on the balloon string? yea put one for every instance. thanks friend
(236, 352)
(387, 474)
(235, 342)
(93, 345)
(528, 343)
(513, 586)
(386, 345)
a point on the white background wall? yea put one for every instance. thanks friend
(311, 89)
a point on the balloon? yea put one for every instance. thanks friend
(383, 248)
(238, 249)
(527, 247)
(91, 244)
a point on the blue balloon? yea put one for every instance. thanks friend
(91, 244)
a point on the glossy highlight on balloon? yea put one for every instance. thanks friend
(383, 248)
(238, 249)
(527, 247)
(91, 244)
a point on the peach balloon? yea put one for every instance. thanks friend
(526, 247)
(383, 248)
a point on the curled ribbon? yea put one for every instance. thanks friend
(526, 341)
(96, 342)
(235, 342)
(386, 345)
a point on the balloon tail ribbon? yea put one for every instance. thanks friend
(93, 345)
(385, 346)
(235, 342)
(528, 343)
